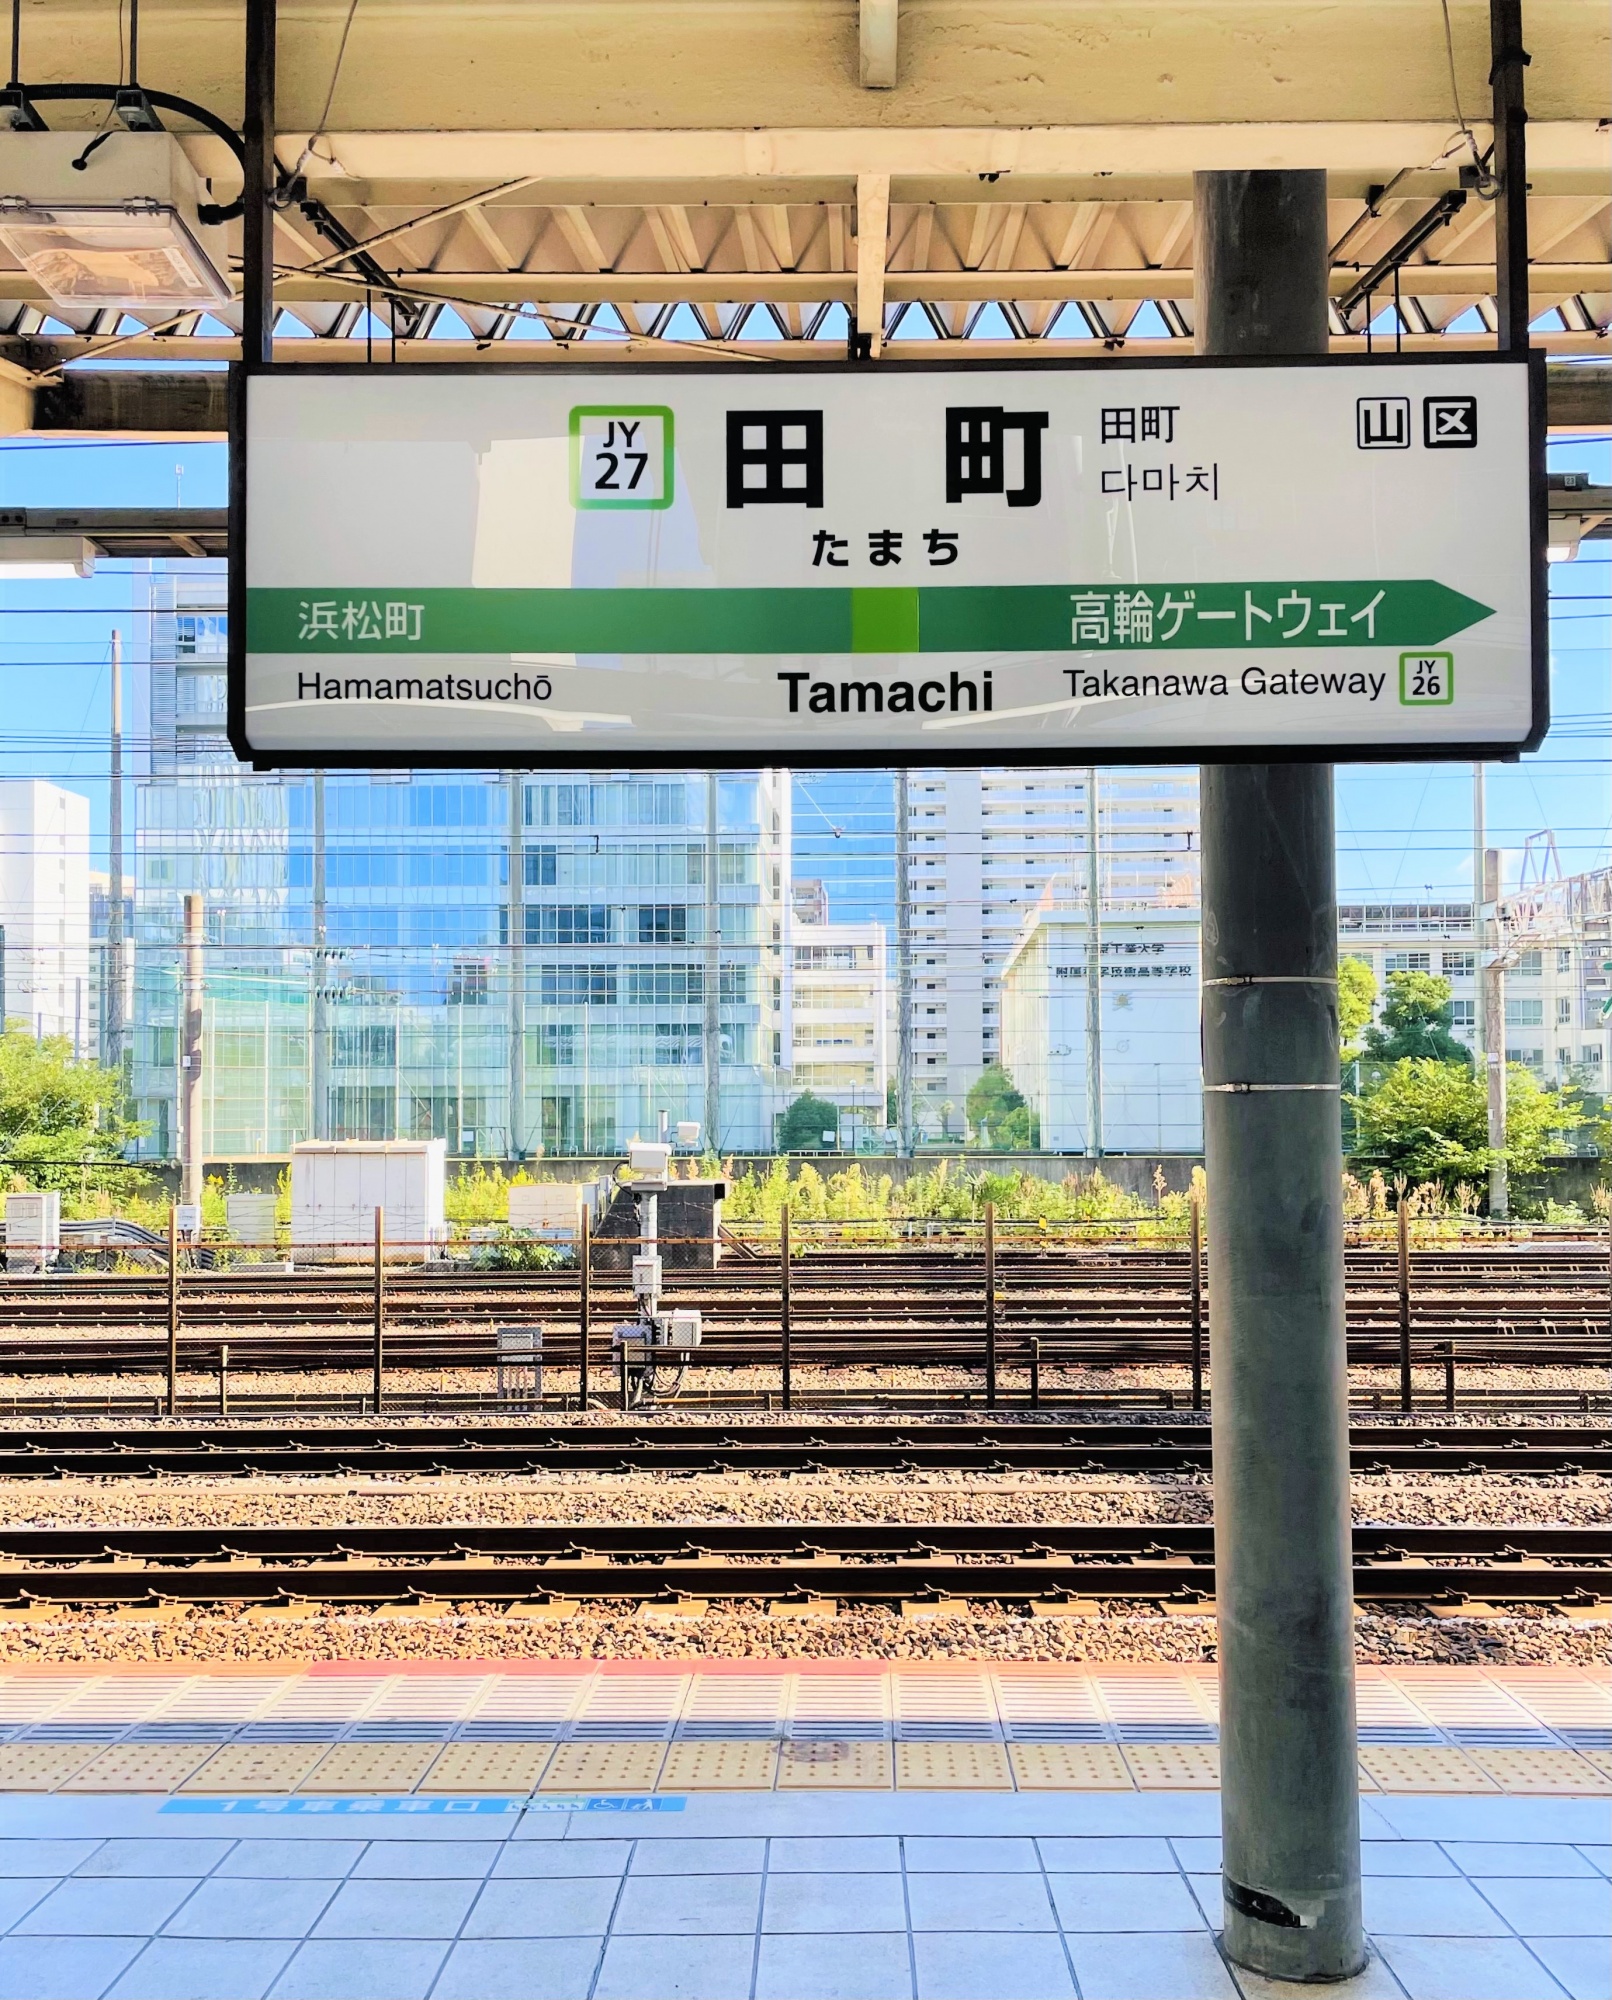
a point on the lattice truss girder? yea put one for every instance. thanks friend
(773, 269)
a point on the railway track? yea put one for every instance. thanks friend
(1034, 1446)
(515, 1565)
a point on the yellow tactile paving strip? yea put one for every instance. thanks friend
(562, 1727)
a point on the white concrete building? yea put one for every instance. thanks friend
(1151, 1085)
(1556, 972)
(984, 848)
(45, 910)
(839, 1014)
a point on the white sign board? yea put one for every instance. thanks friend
(772, 564)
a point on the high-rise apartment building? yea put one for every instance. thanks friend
(47, 985)
(838, 1001)
(986, 847)
(505, 960)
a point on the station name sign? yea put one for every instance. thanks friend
(765, 564)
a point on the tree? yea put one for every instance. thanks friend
(805, 1122)
(1357, 996)
(1416, 1023)
(60, 1119)
(1429, 1120)
(994, 1104)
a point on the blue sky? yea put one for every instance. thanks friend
(1403, 831)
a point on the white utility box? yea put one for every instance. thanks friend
(337, 1185)
(648, 1160)
(683, 1328)
(646, 1277)
(33, 1231)
(250, 1218)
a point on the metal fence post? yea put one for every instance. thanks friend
(784, 1304)
(1195, 1211)
(990, 1305)
(1035, 1374)
(1405, 1389)
(376, 1387)
(173, 1309)
(584, 1302)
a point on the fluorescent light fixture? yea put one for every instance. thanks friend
(34, 558)
(1566, 531)
(134, 253)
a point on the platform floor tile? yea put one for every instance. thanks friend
(737, 1698)
(1069, 1767)
(1555, 1771)
(603, 1767)
(1414, 1767)
(513, 1768)
(26, 1699)
(256, 1767)
(41, 1767)
(1174, 1767)
(952, 1767)
(824, 1766)
(140, 1767)
(719, 1767)
(371, 1767)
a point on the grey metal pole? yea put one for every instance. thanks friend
(1094, 969)
(990, 1305)
(378, 1311)
(1290, 1813)
(1492, 1000)
(112, 1007)
(516, 920)
(1507, 61)
(192, 1155)
(319, 1012)
(712, 1014)
(785, 1310)
(904, 961)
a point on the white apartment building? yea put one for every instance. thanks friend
(1555, 964)
(987, 847)
(839, 1013)
(1148, 1075)
(45, 911)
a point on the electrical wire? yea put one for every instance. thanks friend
(318, 132)
(1487, 184)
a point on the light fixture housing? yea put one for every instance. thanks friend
(33, 558)
(122, 230)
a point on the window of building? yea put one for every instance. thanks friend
(1407, 961)
(1525, 1013)
(678, 1045)
(662, 923)
(1530, 964)
(1590, 1055)
(200, 632)
(1526, 1058)
(1564, 958)
(363, 1048)
(577, 985)
(733, 986)
(1564, 1011)
(554, 1045)
(542, 867)
(1463, 1013)
(665, 985)
(568, 923)
(1460, 964)
(469, 985)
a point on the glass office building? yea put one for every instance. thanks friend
(504, 960)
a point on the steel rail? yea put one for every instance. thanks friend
(1030, 1446)
(857, 1562)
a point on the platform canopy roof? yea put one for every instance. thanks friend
(671, 179)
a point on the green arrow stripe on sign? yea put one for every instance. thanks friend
(961, 618)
